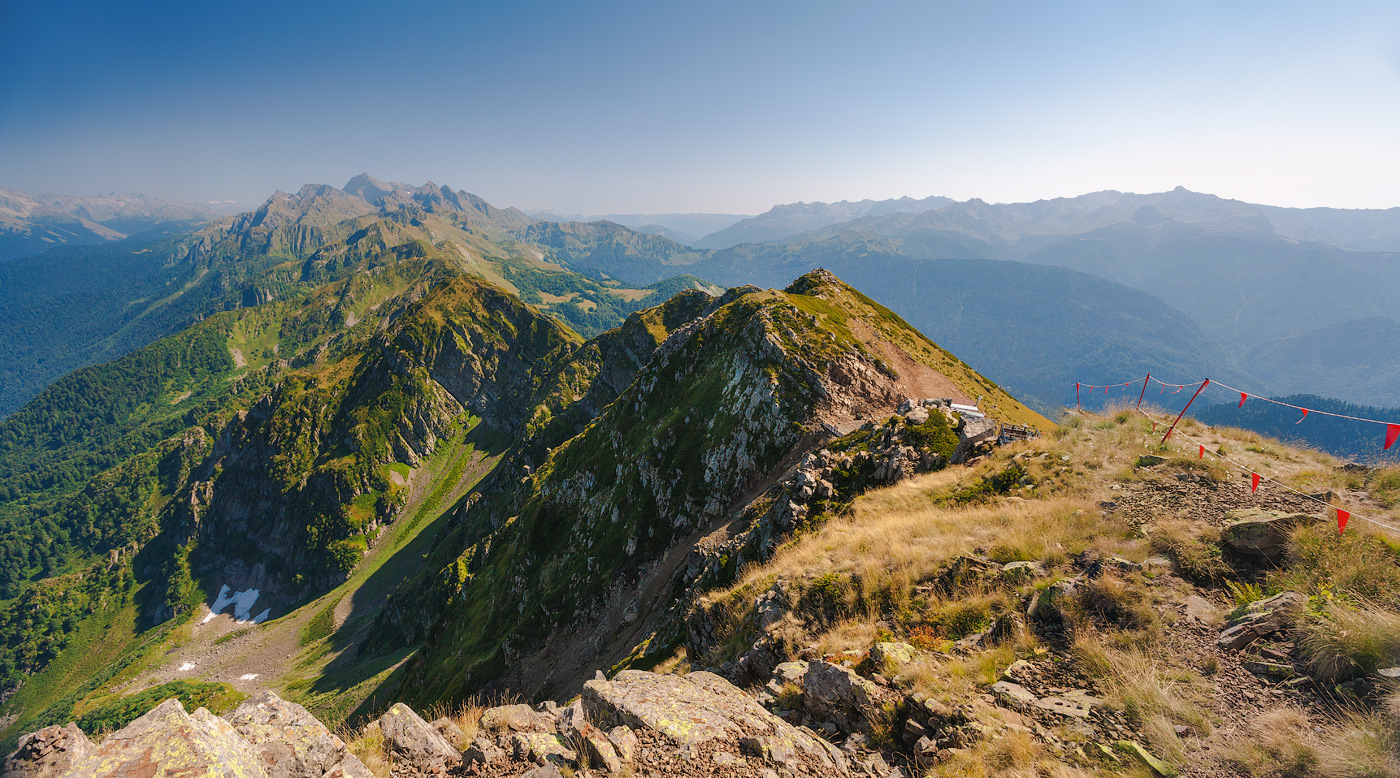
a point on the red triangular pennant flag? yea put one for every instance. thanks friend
(1342, 517)
(1105, 390)
(1242, 398)
(1305, 415)
(1392, 431)
(1203, 452)
(1154, 426)
(1179, 388)
(1253, 482)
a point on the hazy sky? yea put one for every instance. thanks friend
(592, 107)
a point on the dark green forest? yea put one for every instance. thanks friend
(1353, 440)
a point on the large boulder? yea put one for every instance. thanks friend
(702, 708)
(290, 742)
(48, 753)
(1260, 533)
(414, 741)
(169, 742)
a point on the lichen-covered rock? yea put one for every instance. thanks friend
(48, 753)
(888, 658)
(542, 747)
(169, 742)
(624, 741)
(516, 718)
(290, 742)
(698, 708)
(414, 741)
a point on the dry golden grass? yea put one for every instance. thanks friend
(1150, 689)
(368, 746)
(1342, 640)
(1285, 743)
(1012, 755)
(896, 536)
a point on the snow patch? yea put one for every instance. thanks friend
(209, 618)
(247, 676)
(186, 667)
(242, 603)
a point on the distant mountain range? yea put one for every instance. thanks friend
(1274, 286)
(30, 224)
(684, 228)
(1231, 289)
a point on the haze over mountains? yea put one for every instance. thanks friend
(1273, 285)
(425, 431)
(1255, 294)
(30, 224)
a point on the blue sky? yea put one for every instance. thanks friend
(592, 107)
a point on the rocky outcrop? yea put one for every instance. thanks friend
(169, 742)
(703, 708)
(413, 740)
(291, 743)
(48, 753)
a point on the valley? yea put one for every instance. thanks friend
(459, 455)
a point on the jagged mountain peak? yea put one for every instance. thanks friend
(372, 190)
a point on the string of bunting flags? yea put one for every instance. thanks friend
(1392, 430)
(1392, 433)
(1255, 478)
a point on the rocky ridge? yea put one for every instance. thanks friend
(598, 535)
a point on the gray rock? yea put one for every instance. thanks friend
(836, 693)
(549, 770)
(167, 742)
(290, 742)
(1013, 695)
(1076, 704)
(516, 718)
(48, 753)
(697, 708)
(624, 742)
(1261, 618)
(1261, 533)
(414, 741)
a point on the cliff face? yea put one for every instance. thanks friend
(598, 533)
(298, 484)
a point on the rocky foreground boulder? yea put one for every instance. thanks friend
(167, 741)
(48, 753)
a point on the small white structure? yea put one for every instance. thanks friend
(968, 411)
